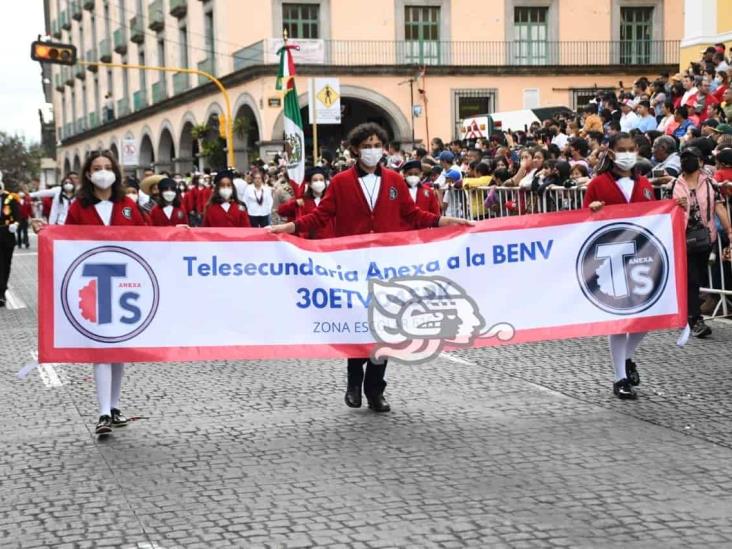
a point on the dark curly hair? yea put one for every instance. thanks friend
(362, 132)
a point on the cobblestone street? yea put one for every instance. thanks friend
(521, 446)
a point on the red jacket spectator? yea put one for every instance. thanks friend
(204, 193)
(345, 204)
(293, 212)
(26, 208)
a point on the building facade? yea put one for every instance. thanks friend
(450, 59)
(706, 22)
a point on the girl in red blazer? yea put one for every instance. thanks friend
(367, 199)
(102, 201)
(168, 212)
(316, 182)
(618, 183)
(224, 208)
(423, 195)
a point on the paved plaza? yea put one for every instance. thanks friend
(522, 446)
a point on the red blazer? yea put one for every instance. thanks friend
(124, 212)
(427, 199)
(26, 208)
(292, 211)
(47, 203)
(603, 188)
(159, 219)
(345, 204)
(202, 198)
(237, 216)
(190, 200)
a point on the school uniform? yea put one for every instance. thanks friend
(425, 199)
(107, 376)
(291, 210)
(611, 189)
(9, 217)
(202, 196)
(226, 214)
(168, 216)
(357, 202)
(26, 213)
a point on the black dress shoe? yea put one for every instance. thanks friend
(379, 404)
(624, 390)
(631, 372)
(353, 397)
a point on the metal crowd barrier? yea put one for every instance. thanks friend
(508, 201)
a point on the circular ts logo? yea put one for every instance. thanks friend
(623, 268)
(110, 294)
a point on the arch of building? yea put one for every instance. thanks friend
(166, 148)
(76, 166)
(187, 159)
(146, 151)
(245, 140)
(67, 166)
(399, 128)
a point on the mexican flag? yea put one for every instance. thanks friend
(294, 136)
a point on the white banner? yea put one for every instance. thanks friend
(311, 52)
(152, 294)
(130, 157)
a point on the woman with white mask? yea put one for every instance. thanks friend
(316, 184)
(224, 209)
(61, 197)
(168, 212)
(618, 183)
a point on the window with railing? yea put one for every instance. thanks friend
(530, 32)
(183, 43)
(422, 34)
(301, 20)
(470, 103)
(636, 34)
(581, 97)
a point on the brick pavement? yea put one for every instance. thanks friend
(515, 447)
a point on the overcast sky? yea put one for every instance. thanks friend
(20, 84)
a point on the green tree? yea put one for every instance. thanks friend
(19, 161)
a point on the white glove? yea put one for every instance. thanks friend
(13, 228)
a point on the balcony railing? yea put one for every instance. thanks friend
(64, 20)
(207, 65)
(75, 8)
(137, 29)
(159, 91)
(58, 81)
(80, 71)
(105, 51)
(68, 76)
(139, 99)
(80, 125)
(497, 54)
(155, 15)
(120, 41)
(178, 8)
(123, 107)
(93, 120)
(91, 55)
(181, 82)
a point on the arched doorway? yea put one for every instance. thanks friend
(187, 160)
(113, 149)
(67, 167)
(246, 136)
(212, 145)
(147, 154)
(166, 152)
(77, 164)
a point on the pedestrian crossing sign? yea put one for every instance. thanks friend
(328, 96)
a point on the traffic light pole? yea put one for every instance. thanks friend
(229, 122)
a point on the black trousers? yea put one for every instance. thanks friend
(373, 382)
(7, 247)
(259, 220)
(696, 268)
(22, 233)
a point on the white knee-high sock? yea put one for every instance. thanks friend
(618, 344)
(118, 370)
(632, 343)
(103, 379)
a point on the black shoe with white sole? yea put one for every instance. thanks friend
(624, 390)
(700, 329)
(118, 420)
(631, 371)
(104, 425)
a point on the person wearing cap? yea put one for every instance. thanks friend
(647, 121)
(617, 182)
(367, 198)
(694, 191)
(101, 201)
(224, 209)
(315, 185)
(168, 211)
(446, 160)
(149, 192)
(719, 130)
(423, 195)
(454, 200)
(629, 120)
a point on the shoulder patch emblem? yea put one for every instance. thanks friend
(127, 212)
(180, 215)
(426, 193)
(393, 193)
(647, 194)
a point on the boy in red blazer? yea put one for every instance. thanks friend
(367, 198)
(422, 194)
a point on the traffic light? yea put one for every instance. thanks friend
(53, 52)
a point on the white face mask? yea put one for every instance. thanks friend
(371, 157)
(317, 186)
(168, 196)
(68, 187)
(133, 196)
(626, 160)
(412, 180)
(225, 192)
(103, 179)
